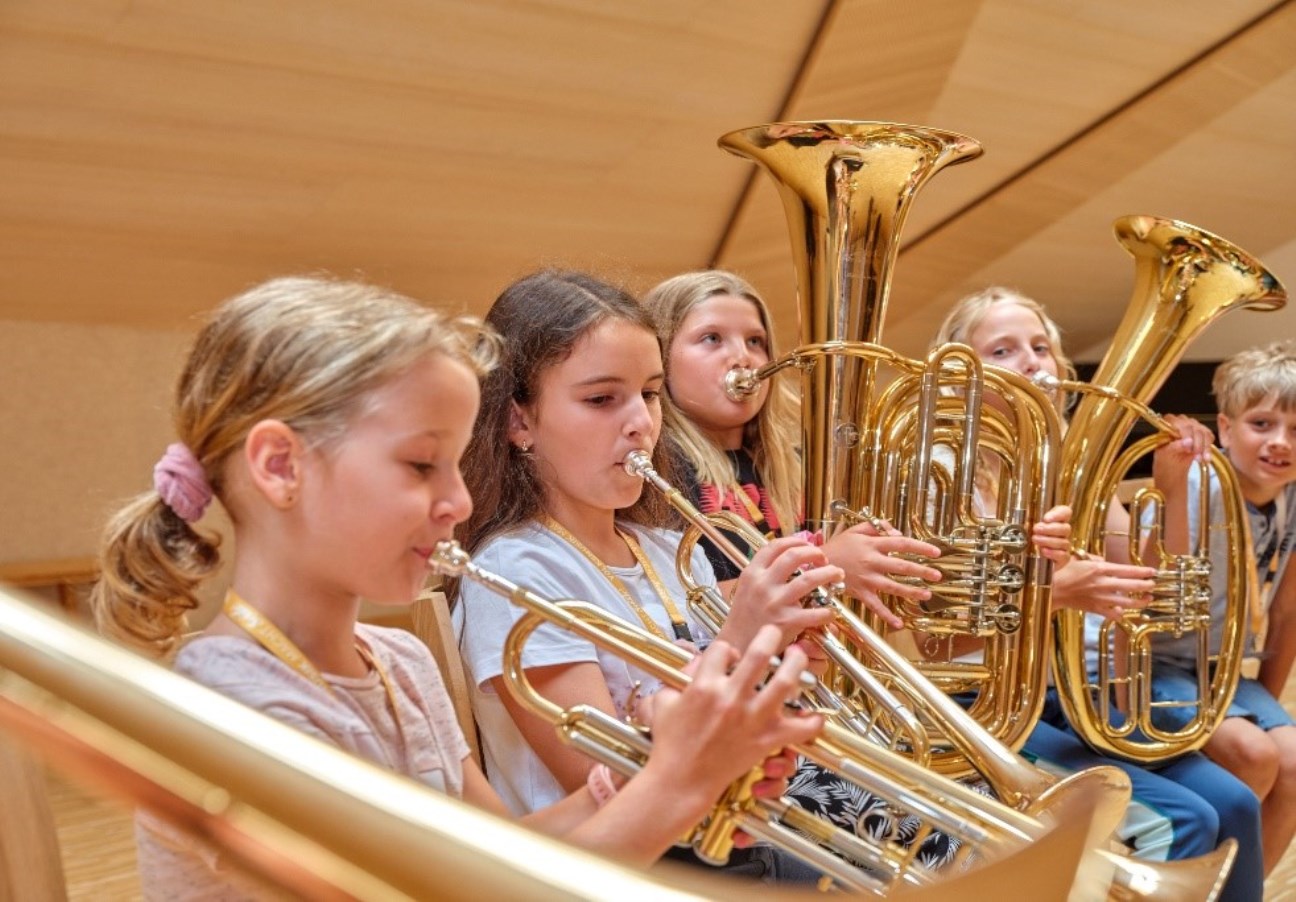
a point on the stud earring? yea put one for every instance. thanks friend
(525, 447)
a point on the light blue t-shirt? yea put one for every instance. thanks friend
(1273, 535)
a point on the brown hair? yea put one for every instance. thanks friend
(307, 351)
(539, 319)
(771, 436)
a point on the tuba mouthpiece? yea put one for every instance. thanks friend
(740, 383)
(449, 559)
(1046, 381)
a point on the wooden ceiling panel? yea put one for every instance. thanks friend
(1160, 155)
(1070, 101)
(457, 143)
(159, 155)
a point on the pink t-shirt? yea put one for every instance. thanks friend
(356, 717)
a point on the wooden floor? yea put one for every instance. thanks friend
(99, 847)
(98, 843)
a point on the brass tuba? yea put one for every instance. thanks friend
(1185, 278)
(846, 189)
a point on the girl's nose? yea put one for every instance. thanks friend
(739, 354)
(455, 503)
(639, 420)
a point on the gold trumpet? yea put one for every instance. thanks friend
(988, 828)
(1185, 278)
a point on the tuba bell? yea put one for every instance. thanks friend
(1185, 278)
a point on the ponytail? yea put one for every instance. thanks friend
(151, 564)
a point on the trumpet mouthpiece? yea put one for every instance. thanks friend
(448, 559)
(638, 463)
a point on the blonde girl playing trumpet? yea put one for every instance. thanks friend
(329, 419)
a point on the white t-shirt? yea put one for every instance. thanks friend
(543, 562)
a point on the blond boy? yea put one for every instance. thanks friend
(1256, 394)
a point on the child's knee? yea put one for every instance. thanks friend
(1285, 746)
(1255, 758)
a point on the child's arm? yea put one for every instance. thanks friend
(566, 685)
(703, 739)
(1170, 465)
(1280, 641)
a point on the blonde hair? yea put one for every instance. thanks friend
(1250, 376)
(964, 318)
(307, 351)
(967, 314)
(771, 436)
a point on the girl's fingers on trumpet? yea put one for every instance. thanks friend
(731, 715)
(771, 588)
(779, 769)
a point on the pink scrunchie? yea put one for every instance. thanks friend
(180, 480)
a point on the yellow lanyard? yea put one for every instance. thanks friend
(274, 641)
(678, 625)
(754, 512)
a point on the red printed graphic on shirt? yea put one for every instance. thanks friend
(712, 500)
